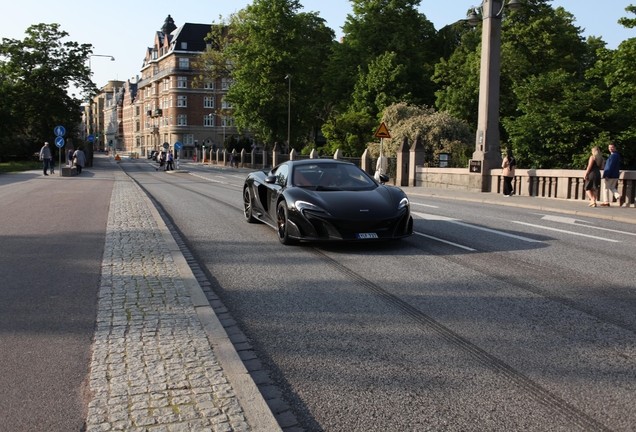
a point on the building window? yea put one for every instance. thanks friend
(188, 139)
(166, 84)
(182, 101)
(226, 105)
(182, 82)
(182, 120)
(208, 85)
(137, 126)
(208, 102)
(227, 121)
(137, 110)
(208, 120)
(138, 142)
(184, 63)
(225, 83)
(184, 45)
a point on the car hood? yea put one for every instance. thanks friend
(378, 203)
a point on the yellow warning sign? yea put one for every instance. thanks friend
(382, 132)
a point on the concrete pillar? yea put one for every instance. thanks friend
(293, 155)
(265, 158)
(416, 159)
(337, 155)
(366, 163)
(276, 154)
(401, 176)
(314, 154)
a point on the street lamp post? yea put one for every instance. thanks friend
(98, 55)
(288, 77)
(487, 154)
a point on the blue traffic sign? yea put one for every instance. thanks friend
(59, 131)
(91, 138)
(178, 145)
(59, 142)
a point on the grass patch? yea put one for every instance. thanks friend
(19, 166)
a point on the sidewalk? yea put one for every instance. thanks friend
(572, 207)
(161, 359)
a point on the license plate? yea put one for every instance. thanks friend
(367, 236)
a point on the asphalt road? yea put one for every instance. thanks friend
(489, 318)
(51, 251)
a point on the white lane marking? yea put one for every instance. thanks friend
(566, 232)
(433, 217)
(587, 224)
(457, 222)
(565, 220)
(445, 241)
(424, 205)
(214, 181)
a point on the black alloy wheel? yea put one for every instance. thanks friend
(247, 206)
(283, 231)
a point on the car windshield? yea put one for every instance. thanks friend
(331, 177)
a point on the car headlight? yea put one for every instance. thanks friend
(404, 202)
(303, 206)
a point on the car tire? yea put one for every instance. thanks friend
(248, 208)
(282, 221)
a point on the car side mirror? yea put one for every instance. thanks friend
(270, 179)
(384, 178)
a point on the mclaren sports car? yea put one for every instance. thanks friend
(326, 200)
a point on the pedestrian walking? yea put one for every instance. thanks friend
(161, 159)
(508, 171)
(52, 166)
(610, 175)
(170, 162)
(593, 175)
(79, 159)
(69, 157)
(45, 157)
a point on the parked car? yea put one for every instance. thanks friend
(326, 200)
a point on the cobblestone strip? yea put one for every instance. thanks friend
(153, 368)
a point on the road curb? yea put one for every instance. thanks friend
(257, 412)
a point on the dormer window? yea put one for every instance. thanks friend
(184, 45)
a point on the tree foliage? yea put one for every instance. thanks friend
(270, 40)
(349, 132)
(35, 74)
(439, 132)
(383, 36)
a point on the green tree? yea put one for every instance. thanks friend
(35, 74)
(615, 73)
(376, 32)
(439, 131)
(269, 41)
(538, 43)
(559, 119)
(349, 132)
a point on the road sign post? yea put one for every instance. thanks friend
(178, 146)
(381, 133)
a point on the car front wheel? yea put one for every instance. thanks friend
(283, 227)
(248, 209)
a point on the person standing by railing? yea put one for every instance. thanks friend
(611, 174)
(593, 175)
(508, 171)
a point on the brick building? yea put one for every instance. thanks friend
(166, 105)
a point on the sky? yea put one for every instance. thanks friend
(124, 29)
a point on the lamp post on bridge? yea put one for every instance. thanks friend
(487, 153)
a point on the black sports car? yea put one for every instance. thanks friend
(326, 199)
